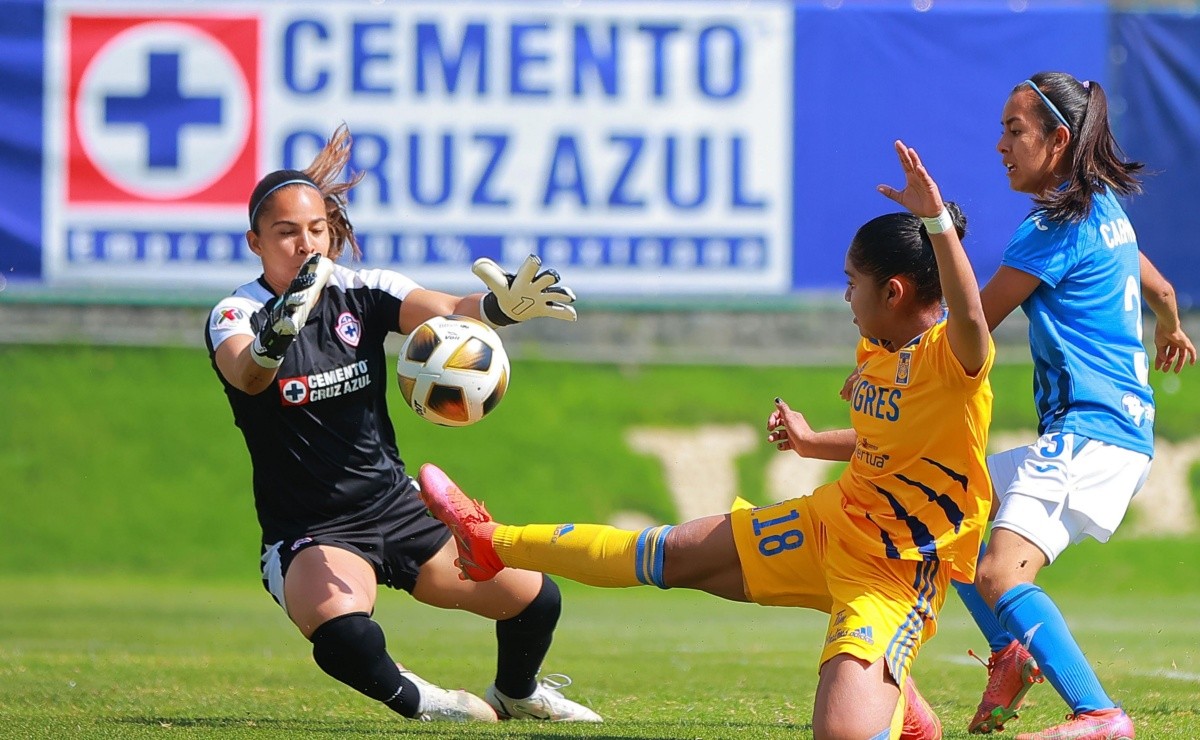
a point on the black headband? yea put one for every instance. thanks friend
(273, 182)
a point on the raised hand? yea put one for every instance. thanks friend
(290, 311)
(920, 194)
(528, 294)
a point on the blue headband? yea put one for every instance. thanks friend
(263, 198)
(1053, 108)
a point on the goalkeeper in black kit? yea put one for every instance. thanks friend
(339, 512)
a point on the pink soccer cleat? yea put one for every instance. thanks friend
(468, 521)
(1100, 724)
(1012, 672)
(920, 721)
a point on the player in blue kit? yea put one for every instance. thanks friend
(1074, 268)
(300, 354)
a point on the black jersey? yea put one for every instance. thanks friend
(320, 438)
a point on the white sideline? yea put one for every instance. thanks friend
(1156, 673)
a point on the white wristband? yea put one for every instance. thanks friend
(261, 358)
(938, 224)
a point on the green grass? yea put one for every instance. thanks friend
(132, 606)
(123, 460)
(126, 658)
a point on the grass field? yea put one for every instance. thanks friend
(132, 606)
(125, 658)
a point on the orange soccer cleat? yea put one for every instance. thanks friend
(920, 721)
(468, 521)
(1100, 724)
(1011, 673)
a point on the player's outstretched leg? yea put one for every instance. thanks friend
(1098, 724)
(1012, 671)
(595, 554)
(920, 721)
(468, 521)
(546, 703)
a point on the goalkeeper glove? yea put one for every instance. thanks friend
(527, 294)
(290, 311)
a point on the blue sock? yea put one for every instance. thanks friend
(1027, 608)
(998, 638)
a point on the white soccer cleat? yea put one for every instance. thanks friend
(546, 704)
(446, 705)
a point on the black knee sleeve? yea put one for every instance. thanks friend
(352, 649)
(522, 641)
(541, 615)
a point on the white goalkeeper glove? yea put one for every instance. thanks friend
(290, 311)
(528, 294)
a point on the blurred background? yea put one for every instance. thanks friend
(680, 163)
(694, 170)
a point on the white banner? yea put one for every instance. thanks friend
(638, 147)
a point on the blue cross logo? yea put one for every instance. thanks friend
(294, 391)
(163, 111)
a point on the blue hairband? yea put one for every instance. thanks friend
(1053, 108)
(263, 199)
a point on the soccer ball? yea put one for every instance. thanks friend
(453, 370)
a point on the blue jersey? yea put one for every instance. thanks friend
(1091, 371)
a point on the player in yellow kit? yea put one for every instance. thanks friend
(877, 548)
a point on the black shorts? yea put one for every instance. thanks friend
(396, 536)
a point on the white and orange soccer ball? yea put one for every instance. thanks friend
(453, 370)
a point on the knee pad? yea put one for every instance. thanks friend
(352, 649)
(541, 615)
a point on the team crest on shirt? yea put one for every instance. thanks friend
(1139, 412)
(228, 316)
(293, 391)
(903, 367)
(348, 328)
(319, 386)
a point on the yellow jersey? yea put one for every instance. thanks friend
(917, 486)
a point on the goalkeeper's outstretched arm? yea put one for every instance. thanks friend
(528, 293)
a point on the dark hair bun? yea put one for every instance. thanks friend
(958, 217)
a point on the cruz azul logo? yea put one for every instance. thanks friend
(161, 109)
(305, 389)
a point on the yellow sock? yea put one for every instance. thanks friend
(595, 554)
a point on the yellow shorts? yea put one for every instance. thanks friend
(879, 608)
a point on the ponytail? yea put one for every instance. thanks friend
(1096, 160)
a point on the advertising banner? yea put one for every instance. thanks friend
(644, 147)
(674, 149)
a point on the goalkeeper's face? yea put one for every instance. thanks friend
(292, 226)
